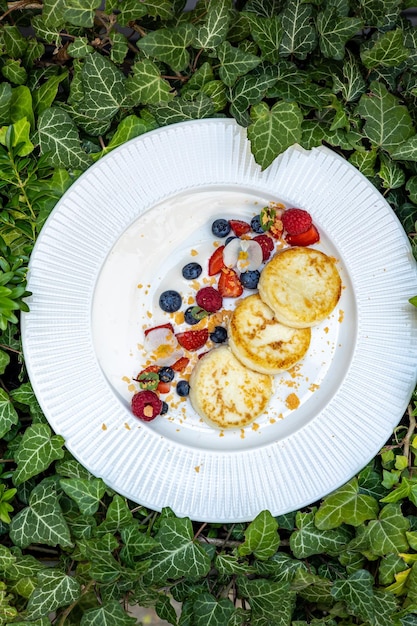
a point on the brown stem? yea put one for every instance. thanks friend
(29, 4)
(410, 432)
(74, 604)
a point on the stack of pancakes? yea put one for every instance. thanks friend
(268, 333)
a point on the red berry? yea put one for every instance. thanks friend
(296, 221)
(209, 299)
(168, 326)
(216, 263)
(193, 339)
(146, 405)
(266, 244)
(239, 227)
(181, 364)
(304, 239)
(229, 284)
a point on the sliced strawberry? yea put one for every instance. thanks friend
(193, 339)
(311, 236)
(163, 387)
(167, 326)
(266, 244)
(181, 364)
(239, 227)
(216, 264)
(229, 284)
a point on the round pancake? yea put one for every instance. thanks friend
(262, 343)
(225, 393)
(301, 285)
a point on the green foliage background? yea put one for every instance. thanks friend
(79, 80)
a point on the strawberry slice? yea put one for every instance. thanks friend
(193, 339)
(229, 284)
(181, 364)
(239, 227)
(304, 239)
(163, 387)
(167, 326)
(216, 264)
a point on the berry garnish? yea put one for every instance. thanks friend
(296, 221)
(163, 387)
(194, 314)
(191, 271)
(209, 299)
(183, 388)
(311, 236)
(219, 334)
(255, 224)
(250, 279)
(220, 228)
(181, 364)
(164, 408)
(148, 380)
(266, 244)
(216, 262)
(229, 284)
(267, 217)
(170, 301)
(166, 374)
(239, 227)
(193, 339)
(168, 326)
(146, 405)
(229, 239)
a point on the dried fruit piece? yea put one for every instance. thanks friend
(146, 405)
(296, 221)
(193, 339)
(209, 299)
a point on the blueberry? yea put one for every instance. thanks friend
(220, 228)
(250, 279)
(191, 271)
(166, 374)
(183, 388)
(164, 408)
(229, 239)
(255, 224)
(219, 335)
(170, 301)
(194, 314)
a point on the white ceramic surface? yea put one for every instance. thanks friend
(130, 221)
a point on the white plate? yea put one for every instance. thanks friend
(121, 234)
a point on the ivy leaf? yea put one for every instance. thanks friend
(298, 32)
(392, 175)
(180, 110)
(406, 151)
(45, 94)
(207, 611)
(109, 614)
(42, 521)
(25, 395)
(261, 537)
(335, 31)
(103, 87)
(118, 515)
(387, 123)
(5, 102)
(81, 12)
(86, 493)
(357, 592)
(250, 89)
(234, 63)
(8, 414)
(311, 587)
(352, 84)
(270, 602)
(273, 130)
(178, 555)
(130, 127)
(59, 140)
(169, 45)
(55, 589)
(229, 565)
(53, 13)
(387, 51)
(379, 13)
(36, 451)
(146, 86)
(267, 32)
(213, 32)
(388, 533)
(346, 505)
(309, 539)
(136, 543)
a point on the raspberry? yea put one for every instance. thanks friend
(266, 244)
(146, 405)
(296, 221)
(209, 299)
